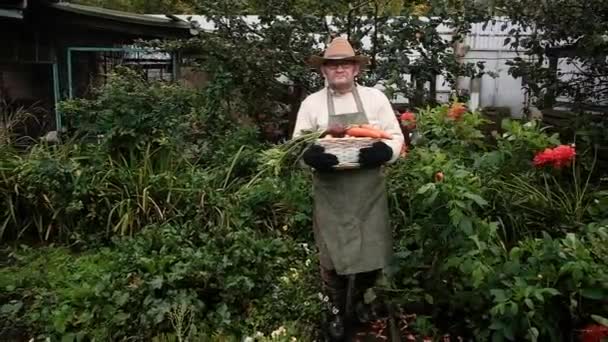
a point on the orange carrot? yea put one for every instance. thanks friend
(368, 126)
(371, 132)
(362, 132)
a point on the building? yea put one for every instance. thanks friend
(54, 50)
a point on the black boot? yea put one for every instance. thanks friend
(366, 312)
(334, 287)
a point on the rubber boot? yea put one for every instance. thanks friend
(334, 287)
(365, 312)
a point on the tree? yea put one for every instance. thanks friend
(263, 66)
(545, 31)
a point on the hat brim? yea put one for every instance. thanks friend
(318, 61)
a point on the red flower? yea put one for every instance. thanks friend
(543, 158)
(456, 110)
(560, 156)
(408, 120)
(593, 333)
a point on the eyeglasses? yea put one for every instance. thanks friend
(335, 66)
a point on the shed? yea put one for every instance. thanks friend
(53, 50)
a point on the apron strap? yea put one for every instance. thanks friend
(331, 110)
(358, 100)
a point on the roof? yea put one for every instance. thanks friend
(127, 17)
(12, 9)
(11, 13)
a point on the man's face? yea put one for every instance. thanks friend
(340, 74)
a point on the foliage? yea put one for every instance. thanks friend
(269, 76)
(135, 285)
(207, 234)
(572, 29)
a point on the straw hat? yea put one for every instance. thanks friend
(338, 49)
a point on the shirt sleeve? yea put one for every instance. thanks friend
(390, 124)
(304, 120)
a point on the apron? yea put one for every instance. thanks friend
(350, 214)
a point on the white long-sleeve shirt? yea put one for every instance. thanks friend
(313, 113)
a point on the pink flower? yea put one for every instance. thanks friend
(408, 120)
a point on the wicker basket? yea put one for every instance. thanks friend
(346, 149)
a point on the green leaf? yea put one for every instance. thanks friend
(551, 291)
(499, 295)
(529, 303)
(514, 308)
(425, 188)
(466, 225)
(121, 298)
(120, 317)
(508, 332)
(428, 298)
(68, 338)
(157, 282)
(601, 320)
(498, 337)
(476, 198)
(593, 293)
(497, 325)
(431, 199)
(534, 333)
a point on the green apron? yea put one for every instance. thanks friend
(351, 217)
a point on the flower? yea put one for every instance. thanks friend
(408, 120)
(593, 333)
(456, 110)
(558, 157)
(563, 155)
(543, 158)
(279, 332)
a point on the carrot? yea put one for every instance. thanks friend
(362, 132)
(368, 126)
(369, 132)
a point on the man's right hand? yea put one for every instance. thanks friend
(316, 157)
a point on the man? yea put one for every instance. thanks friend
(351, 218)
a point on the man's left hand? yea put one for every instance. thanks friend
(376, 155)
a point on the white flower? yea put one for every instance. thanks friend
(258, 334)
(305, 247)
(248, 339)
(308, 262)
(279, 332)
